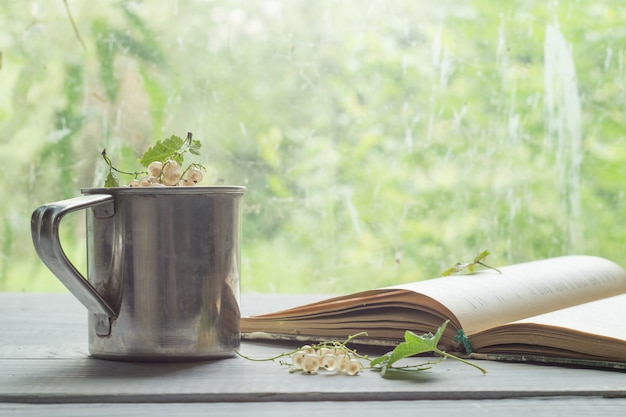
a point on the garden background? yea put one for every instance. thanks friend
(380, 141)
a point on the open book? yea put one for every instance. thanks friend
(567, 310)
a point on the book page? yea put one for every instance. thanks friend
(591, 331)
(601, 318)
(488, 298)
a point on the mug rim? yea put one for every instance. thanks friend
(197, 189)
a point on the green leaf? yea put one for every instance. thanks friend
(415, 345)
(194, 147)
(481, 256)
(163, 150)
(111, 180)
(470, 266)
(454, 269)
(412, 345)
(380, 360)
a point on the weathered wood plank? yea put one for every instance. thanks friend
(571, 407)
(90, 380)
(43, 359)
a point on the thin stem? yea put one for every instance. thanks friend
(487, 266)
(447, 355)
(135, 173)
(282, 355)
(112, 168)
(354, 336)
(342, 346)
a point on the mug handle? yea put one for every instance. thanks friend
(45, 231)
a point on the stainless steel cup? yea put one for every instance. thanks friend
(162, 269)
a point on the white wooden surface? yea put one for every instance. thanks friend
(45, 370)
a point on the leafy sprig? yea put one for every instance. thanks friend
(386, 364)
(416, 345)
(164, 151)
(470, 266)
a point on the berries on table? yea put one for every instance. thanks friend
(353, 367)
(327, 356)
(329, 362)
(298, 358)
(311, 363)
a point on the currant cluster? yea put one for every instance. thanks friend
(331, 358)
(168, 173)
(163, 161)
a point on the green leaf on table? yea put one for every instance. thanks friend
(412, 345)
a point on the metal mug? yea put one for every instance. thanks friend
(163, 267)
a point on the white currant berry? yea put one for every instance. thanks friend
(307, 349)
(154, 168)
(134, 183)
(311, 363)
(342, 362)
(298, 358)
(194, 175)
(170, 173)
(353, 367)
(329, 362)
(186, 183)
(323, 352)
(145, 182)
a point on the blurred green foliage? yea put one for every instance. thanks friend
(380, 141)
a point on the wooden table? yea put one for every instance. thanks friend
(45, 370)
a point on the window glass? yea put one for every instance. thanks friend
(380, 141)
